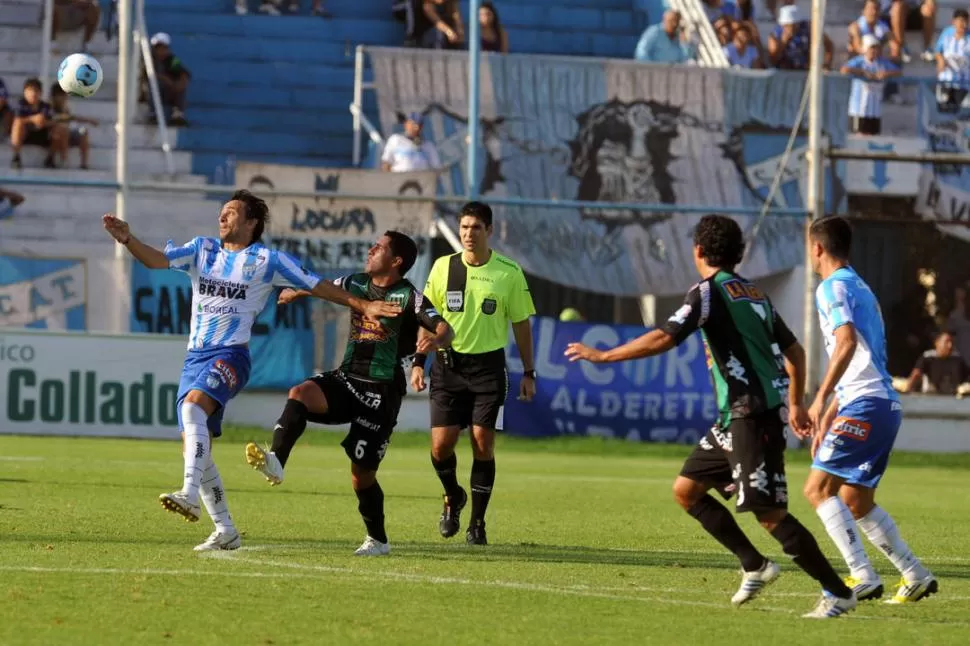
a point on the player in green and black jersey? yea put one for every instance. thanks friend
(758, 370)
(366, 390)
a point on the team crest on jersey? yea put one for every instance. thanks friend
(489, 305)
(364, 330)
(253, 263)
(397, 298)
(455, 301)
(738, 290)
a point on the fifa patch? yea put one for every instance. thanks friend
(851, 428)
(455, 301)
(738, 290)
(489, 305)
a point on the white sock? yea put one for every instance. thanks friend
(841, 527)
(214, 499)
(880, 528)
(196, 448)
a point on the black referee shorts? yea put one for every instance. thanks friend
(469, 389)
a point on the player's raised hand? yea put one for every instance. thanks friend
(578, 351)
(116, 228)
(376, 310)
(417, 378)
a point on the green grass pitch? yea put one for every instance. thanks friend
(587, 548)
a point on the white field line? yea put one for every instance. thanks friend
(20, 458)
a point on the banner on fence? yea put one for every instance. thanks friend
(333, 235)
(668, 398)
(88, 384)
(944, 189)
(46, 293)
(282, 344)
(612, 131)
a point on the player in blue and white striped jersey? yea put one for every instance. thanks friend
(953, 62)
(232, 277)
(868, 72)
(870, 24)
(854, 435)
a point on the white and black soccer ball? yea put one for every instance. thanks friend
(80, 75)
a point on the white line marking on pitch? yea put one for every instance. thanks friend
(20, 458)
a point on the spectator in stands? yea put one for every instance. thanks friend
(868, 71)
(725, 31)
(870, 24)
(940, 370)
(958, 324)
(77, 136)
(494, 37)
(6, 112)
(409, 152)
(173, 81)
(789, 45)
(912, 14)
(772, 6)
(438, 25)
(9, 200)
(272, 8)
(33, 125)
(740, 52)
(718, 10)
(746, 9)
(71, 15)
(953, 63)
(665, 42)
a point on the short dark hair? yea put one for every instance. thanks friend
(256, 209)
(57, 91)
(478, 210)
(721, 241)
(35, 83)
(403, 247)
(834, 234)
(961, 13)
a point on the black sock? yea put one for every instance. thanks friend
(289, 428)
(371, 508)
(447, 471)
(798, 543)
(483, 477)
(720, 523)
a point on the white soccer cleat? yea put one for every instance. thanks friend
(178, 503)
(373, 547)
(831, 606)
(265, 462)
(865, 590)
(220, 541)
(911, 592)
(752, 583)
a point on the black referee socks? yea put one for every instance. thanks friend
(370, 504)
(483, 477)
(447, 471)
(289, 428)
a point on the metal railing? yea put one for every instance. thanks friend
(693, 16)
(143, 53)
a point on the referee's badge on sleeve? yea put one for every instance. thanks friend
(455, 301)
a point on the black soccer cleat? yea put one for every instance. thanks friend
(476, 533)
(450, 521)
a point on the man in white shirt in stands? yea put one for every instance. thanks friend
(409, 152)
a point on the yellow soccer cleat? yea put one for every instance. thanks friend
(265, 462)
(913, 591)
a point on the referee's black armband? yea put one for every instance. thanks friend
(420, 359)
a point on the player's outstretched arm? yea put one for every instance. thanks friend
(650, 344)
(288, 295)
(371, 309)
(146, 254)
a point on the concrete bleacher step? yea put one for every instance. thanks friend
(176, 207)
(27, 62)
(139, 160)
(27, 39)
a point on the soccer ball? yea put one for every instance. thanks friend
(80, 75)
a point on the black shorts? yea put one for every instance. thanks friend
(469, 389)
(371, 409)
(38, 137)
(866, 125)
(747, 459)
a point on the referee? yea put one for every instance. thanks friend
(478, 292)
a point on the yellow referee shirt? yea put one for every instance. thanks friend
(479, 302)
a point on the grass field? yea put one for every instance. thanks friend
(587, 548)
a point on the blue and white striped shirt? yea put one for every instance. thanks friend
(865, 99)
(844, 299)
(880, 30)
(230, 288)
(737, 59)
(956, 55)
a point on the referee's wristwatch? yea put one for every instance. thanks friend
(531, 374)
